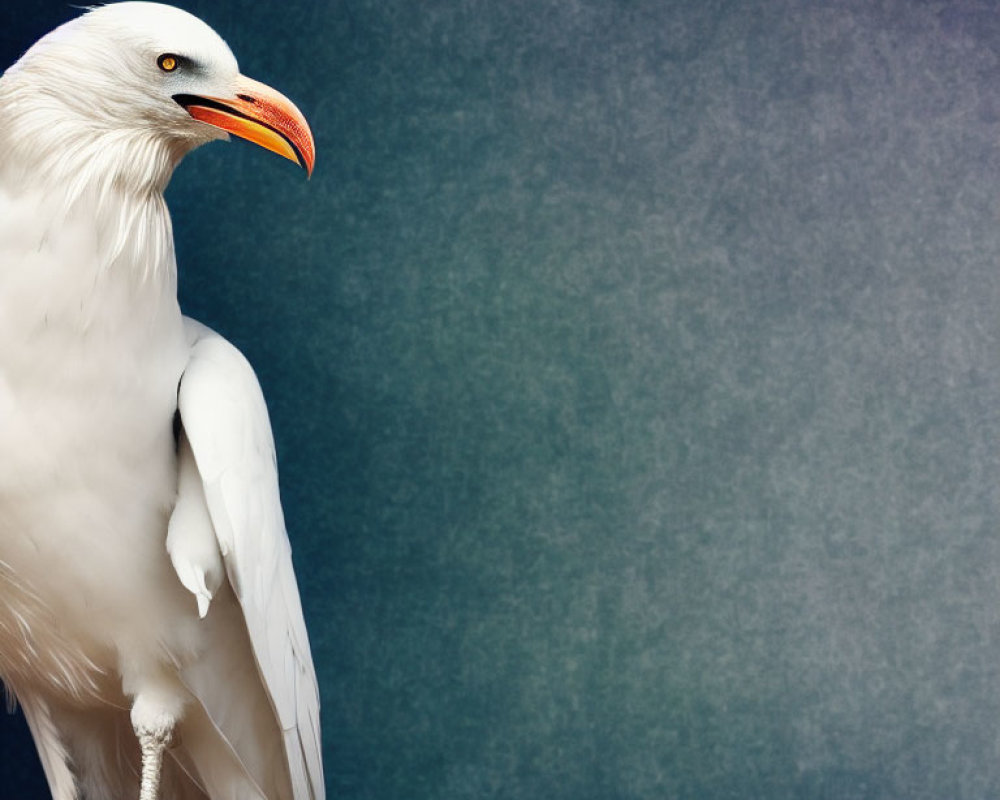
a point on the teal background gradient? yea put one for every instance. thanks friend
(635, 374)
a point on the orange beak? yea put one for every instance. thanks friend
(259, 114)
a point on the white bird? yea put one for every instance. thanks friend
(150, 623)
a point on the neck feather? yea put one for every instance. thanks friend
(117, 178)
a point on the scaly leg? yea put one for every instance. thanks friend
(153, 724)
(153, 744)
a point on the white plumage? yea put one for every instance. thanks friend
(146, 586)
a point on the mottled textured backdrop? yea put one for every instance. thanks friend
(635, 372)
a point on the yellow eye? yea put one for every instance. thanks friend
(167, 62)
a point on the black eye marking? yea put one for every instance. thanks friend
(168, 62)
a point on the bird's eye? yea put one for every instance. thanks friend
(168, 62)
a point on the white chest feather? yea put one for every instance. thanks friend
(90, 357)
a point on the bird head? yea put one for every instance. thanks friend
(145, 82)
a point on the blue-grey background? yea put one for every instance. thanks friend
(635, 373)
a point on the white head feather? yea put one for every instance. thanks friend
(88, 102)
(87, 119)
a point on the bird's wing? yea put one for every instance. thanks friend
(225, 420)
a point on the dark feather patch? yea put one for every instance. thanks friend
(177, 429)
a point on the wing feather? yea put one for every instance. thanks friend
(51, 751)
(225, 419)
